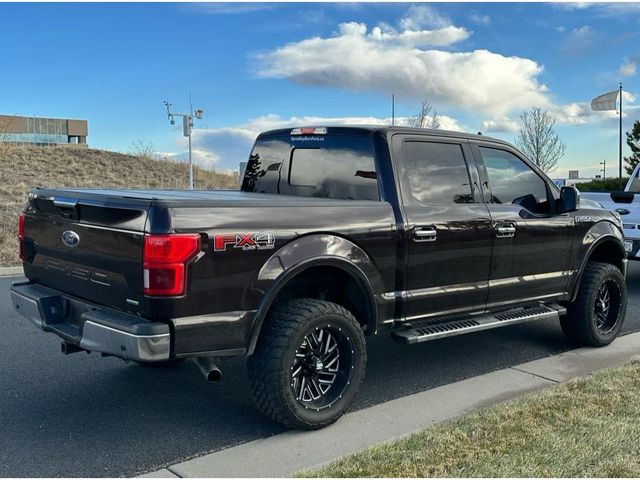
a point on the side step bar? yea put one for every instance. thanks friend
(425, 330)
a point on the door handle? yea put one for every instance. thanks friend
(425, 234)
(505, 231)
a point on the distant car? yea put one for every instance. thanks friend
(625, 204)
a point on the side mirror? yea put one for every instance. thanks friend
(569, 199)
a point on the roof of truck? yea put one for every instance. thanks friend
(366, 129)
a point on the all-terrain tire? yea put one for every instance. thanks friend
(585, 324)
(288, 344)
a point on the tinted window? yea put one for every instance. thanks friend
(513, 181)
(262, 172)
(339, 166)
(437, 173)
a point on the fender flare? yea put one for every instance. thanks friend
(308, 252)
(608, 237)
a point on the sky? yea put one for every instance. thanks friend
(257, 66)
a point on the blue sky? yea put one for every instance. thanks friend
(259, 66)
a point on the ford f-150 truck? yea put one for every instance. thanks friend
(335, 234)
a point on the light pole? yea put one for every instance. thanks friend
(604, 170)
(187, 125)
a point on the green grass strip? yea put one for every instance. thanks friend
(586, 428)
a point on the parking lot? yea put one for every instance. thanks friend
(83, 415)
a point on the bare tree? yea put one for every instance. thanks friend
(538, 139)
(142, 150)
(427, 117)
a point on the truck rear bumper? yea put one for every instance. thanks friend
(92, 327)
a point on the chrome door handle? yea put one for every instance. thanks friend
(505, 231)
(425, 234)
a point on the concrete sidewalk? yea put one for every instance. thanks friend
(11, 271)
(286, 453)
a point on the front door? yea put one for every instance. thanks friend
(531, 243)
(448, 228)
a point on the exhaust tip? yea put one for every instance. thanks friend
(208, 368)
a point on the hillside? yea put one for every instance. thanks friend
(27, 167)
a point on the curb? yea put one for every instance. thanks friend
(11, 271)
(289, 452)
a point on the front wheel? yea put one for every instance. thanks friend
(596, 316)
(308, 363)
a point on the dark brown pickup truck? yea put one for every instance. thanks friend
(336, 233)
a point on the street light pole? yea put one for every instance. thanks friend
(187, 125)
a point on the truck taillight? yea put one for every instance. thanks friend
(164, 260)
(21, 236)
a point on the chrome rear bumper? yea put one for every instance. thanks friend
(92, 327)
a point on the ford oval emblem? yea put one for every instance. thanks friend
(70, 238)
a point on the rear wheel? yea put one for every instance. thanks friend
(596, 316)
(308, 363)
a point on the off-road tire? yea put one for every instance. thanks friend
(270, 367)
(580, 324)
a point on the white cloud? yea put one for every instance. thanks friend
(602, 9)
(569, 114)
(627, 69)
(480, 19)
(580, 41)
(384, 60)
(423, 16)
(501, 124)
(410, 38)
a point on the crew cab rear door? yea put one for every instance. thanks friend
(448, 231)
(531, 243)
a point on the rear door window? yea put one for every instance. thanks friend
(437, 173)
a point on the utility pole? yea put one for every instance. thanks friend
(187, 125)
(604, 170)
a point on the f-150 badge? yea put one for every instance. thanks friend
(244, 241)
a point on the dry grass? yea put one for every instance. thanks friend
(586, 428)
(27, 167)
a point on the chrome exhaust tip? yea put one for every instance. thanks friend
(208, 368)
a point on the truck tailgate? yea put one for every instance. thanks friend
(87, 245)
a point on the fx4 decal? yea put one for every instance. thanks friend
(245, 241)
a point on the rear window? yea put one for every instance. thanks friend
(339, 166)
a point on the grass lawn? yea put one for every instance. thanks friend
(585, 428)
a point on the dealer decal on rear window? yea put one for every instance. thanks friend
(244, 241)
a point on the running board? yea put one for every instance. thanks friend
(425, 330)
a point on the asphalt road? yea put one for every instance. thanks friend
(83, 415)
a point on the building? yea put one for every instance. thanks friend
(42, 131)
